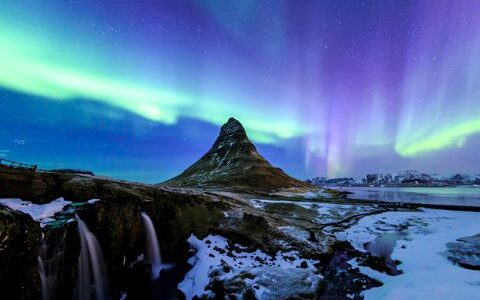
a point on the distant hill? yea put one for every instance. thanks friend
(409, 177)
(233, 161)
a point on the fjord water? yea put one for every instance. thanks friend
(461, 195)
(91, 266)
(153, 250)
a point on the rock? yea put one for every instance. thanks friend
(381, 264)
(339, 278)
(465, 252)
(312, 237)
(115, 221)
(219, 250)
(218, 289)
(254, 220)
(23, 184)
(19, 245)
(249, 294)
(276, 282)
(226, 268)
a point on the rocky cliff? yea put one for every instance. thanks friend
(116, 222)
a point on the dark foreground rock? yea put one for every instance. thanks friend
(340, 279)
(19, 245)
(115, 221)
(465, 252)
(177, 214)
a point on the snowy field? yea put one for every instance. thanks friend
(427, 273)
(267, 276)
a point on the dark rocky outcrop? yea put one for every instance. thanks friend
(233, 161)
(22, 184)
(465, 252)
(19, 244)
(340, 279)
(115, 221)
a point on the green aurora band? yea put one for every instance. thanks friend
(300, 90)
(30, 66)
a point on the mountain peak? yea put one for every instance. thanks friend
(232, 120)
(233, 126)
(232, 133)
(233, 161)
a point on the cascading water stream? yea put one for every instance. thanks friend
(91, 266)
(50, 261)
(153, 250)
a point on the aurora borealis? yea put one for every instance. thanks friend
(335, 88)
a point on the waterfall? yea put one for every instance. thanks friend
(91, 266)
(50, 261)
(153, 250)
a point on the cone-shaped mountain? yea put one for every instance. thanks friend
(233, 161)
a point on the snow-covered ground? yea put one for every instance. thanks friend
(42, 213)
(293, 193)
(427, 273)
(281, 276)
(326, 212)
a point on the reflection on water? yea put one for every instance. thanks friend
(468, 196)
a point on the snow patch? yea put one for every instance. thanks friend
(92, 201)
(213, 258)
(42, 213)
(427, 273)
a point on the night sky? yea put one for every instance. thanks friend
(138, 89)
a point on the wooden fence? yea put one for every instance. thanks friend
(17, 165)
